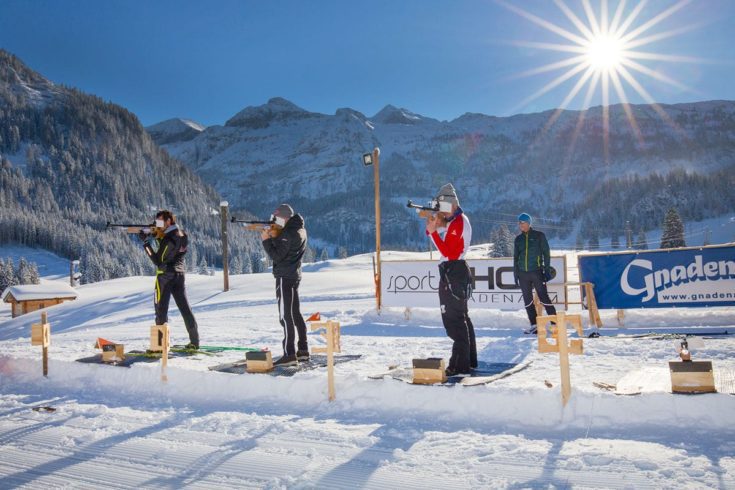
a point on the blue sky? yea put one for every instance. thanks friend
(208, 60)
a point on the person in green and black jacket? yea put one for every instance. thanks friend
(168, 256)
(532, 268)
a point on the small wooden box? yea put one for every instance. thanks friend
(157, 335)
(429, 371)
(692, 377)
(41, 334)
(113, 352)
(259, 361)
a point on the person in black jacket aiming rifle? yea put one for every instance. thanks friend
(168, 255)
(532, 268)
(286, 250)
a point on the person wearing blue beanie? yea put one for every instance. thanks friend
(532, 268)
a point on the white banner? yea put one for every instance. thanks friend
(415, 283)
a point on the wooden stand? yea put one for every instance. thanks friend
(259, 361)
(41, 335)
(114, 352)
(692, 377)
(562, 346)
(594, 313)
(429, 371)
(161, 342)
(332, 336)
(158, 333)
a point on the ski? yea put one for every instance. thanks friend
(220, 348)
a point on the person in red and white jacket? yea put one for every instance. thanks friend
(451, 233)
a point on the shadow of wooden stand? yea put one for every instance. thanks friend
(563, 345)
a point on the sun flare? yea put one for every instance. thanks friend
(603, 49)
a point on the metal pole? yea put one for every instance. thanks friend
(628, 236)
(71, 273)
(225, 262)
(376, 164)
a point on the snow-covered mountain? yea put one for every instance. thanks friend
(70, 161)
(176, 129)
(559, 166)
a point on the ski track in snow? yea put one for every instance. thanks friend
(123, 428)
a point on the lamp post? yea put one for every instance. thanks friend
(225, 266)
(373, 159)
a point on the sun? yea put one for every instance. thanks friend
(604, 47)
(605, 52)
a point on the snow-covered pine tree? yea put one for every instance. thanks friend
(324, 256)
(309, 255)
(247, 264)
(342, 253)
(236, 265)
(494, 240)
(641, 242)
(506, 241)
(3, 279)
(203, 268)
(11, 279)
(24, 272)
(673, 231)
(33, 273)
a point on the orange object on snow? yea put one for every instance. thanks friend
(314, 318)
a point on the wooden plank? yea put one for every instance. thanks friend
(566, 385)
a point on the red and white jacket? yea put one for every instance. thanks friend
(454, 240)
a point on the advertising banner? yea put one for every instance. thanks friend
(688, 277)
(415, 283)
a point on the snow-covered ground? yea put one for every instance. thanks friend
(122, 428)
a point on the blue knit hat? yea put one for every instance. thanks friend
(525, 217)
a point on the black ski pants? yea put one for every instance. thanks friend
(453, 296)
(534, 280)
(168, 284)
(289, 314)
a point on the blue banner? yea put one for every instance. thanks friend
(691, 277)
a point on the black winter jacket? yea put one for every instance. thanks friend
(171, 249)
(287, 249)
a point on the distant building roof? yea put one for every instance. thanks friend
(35, 292)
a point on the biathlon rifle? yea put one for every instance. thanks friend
(423, 211)
(150, 229)
(255, 225)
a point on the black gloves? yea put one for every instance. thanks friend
(547, 274)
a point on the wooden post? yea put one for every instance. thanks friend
(621, 317)
(376, 170)
(332, 337)
(71, 273)
(330, 360)
(164, 355)
(225, 263)
(46, 341)
(561, 340)
(41, 335)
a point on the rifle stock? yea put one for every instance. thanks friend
(255, 225)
